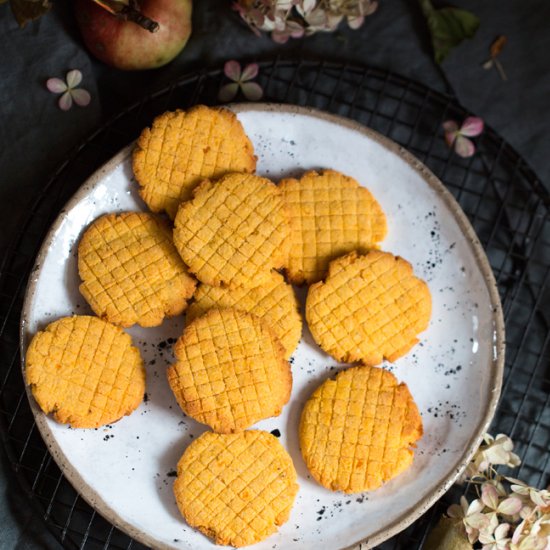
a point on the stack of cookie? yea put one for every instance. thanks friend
(231, 367)
(234, 233)
(363, 305)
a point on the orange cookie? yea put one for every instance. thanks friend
(234, 231)
(230, 371)
(330, 215)
(358, 430)
(182, 148)
(369, 308)
(273, 301)
(85, 371)
(131, 272)
(236, 488)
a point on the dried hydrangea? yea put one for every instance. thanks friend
(508, 514)
(286, 19)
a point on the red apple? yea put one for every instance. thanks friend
(126, 45)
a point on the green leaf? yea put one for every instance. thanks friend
(29, 10)
(447, 535)
(448, 27)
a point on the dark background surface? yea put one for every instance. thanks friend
(35, 136)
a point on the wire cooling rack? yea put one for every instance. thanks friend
(502, 197)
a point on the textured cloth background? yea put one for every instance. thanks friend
(35, 136)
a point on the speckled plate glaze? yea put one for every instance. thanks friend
(126, 470)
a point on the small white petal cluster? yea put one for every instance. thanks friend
(286, 19)
(517, 518)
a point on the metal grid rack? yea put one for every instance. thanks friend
(502, 197)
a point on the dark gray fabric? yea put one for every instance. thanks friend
(35, 136)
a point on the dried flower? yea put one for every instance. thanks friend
(69, 90)
(471, 516)
(496, 48)
(241, 80)
(522, 511)
(286, 19)
(457, 138)
(498, 540)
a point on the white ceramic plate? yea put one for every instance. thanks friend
(126, 470)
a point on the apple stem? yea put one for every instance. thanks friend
(142, 20)
(129, 12)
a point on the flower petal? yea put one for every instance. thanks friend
(280, 37)
(74, 78)
(477, 521)
(489, 496)
(515, 481)
(513, 460)
(295, 29)
(250, 72)
(464, 147)
(309, 5)
(355, 22)
(450, 126)
(56, 85)
(471, 127)
(475, 506)
(501, 531)
(493, 522)
(81, 97)
(228, 92)
(65, 101)
(455, 511)
(317, 18)
(520, 489)
(232, 70)
(370, 7)
(510, 506)
(495, 454)
(450, 138)
(488, 541)
(537, 498)
(252, 91)
(517, 532)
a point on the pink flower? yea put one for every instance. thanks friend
(457, 138)
(69, 90)
(241, 80)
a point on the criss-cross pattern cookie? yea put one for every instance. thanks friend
(330, 215)
(230, 371)
(273, 301)
(182, 148)
(369, 308)
(358, 430)
(234, 231)
(85, 371)
(130, 270)
(237, 489)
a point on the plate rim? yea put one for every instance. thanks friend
(497, 363)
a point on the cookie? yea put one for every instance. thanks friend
(369, 308)
(85, 371)
(273, 301)
(331, 215)
(182, 148)
(130, 270)
(234, 231)
(358, 430)
(230, 371)
(236, 489)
